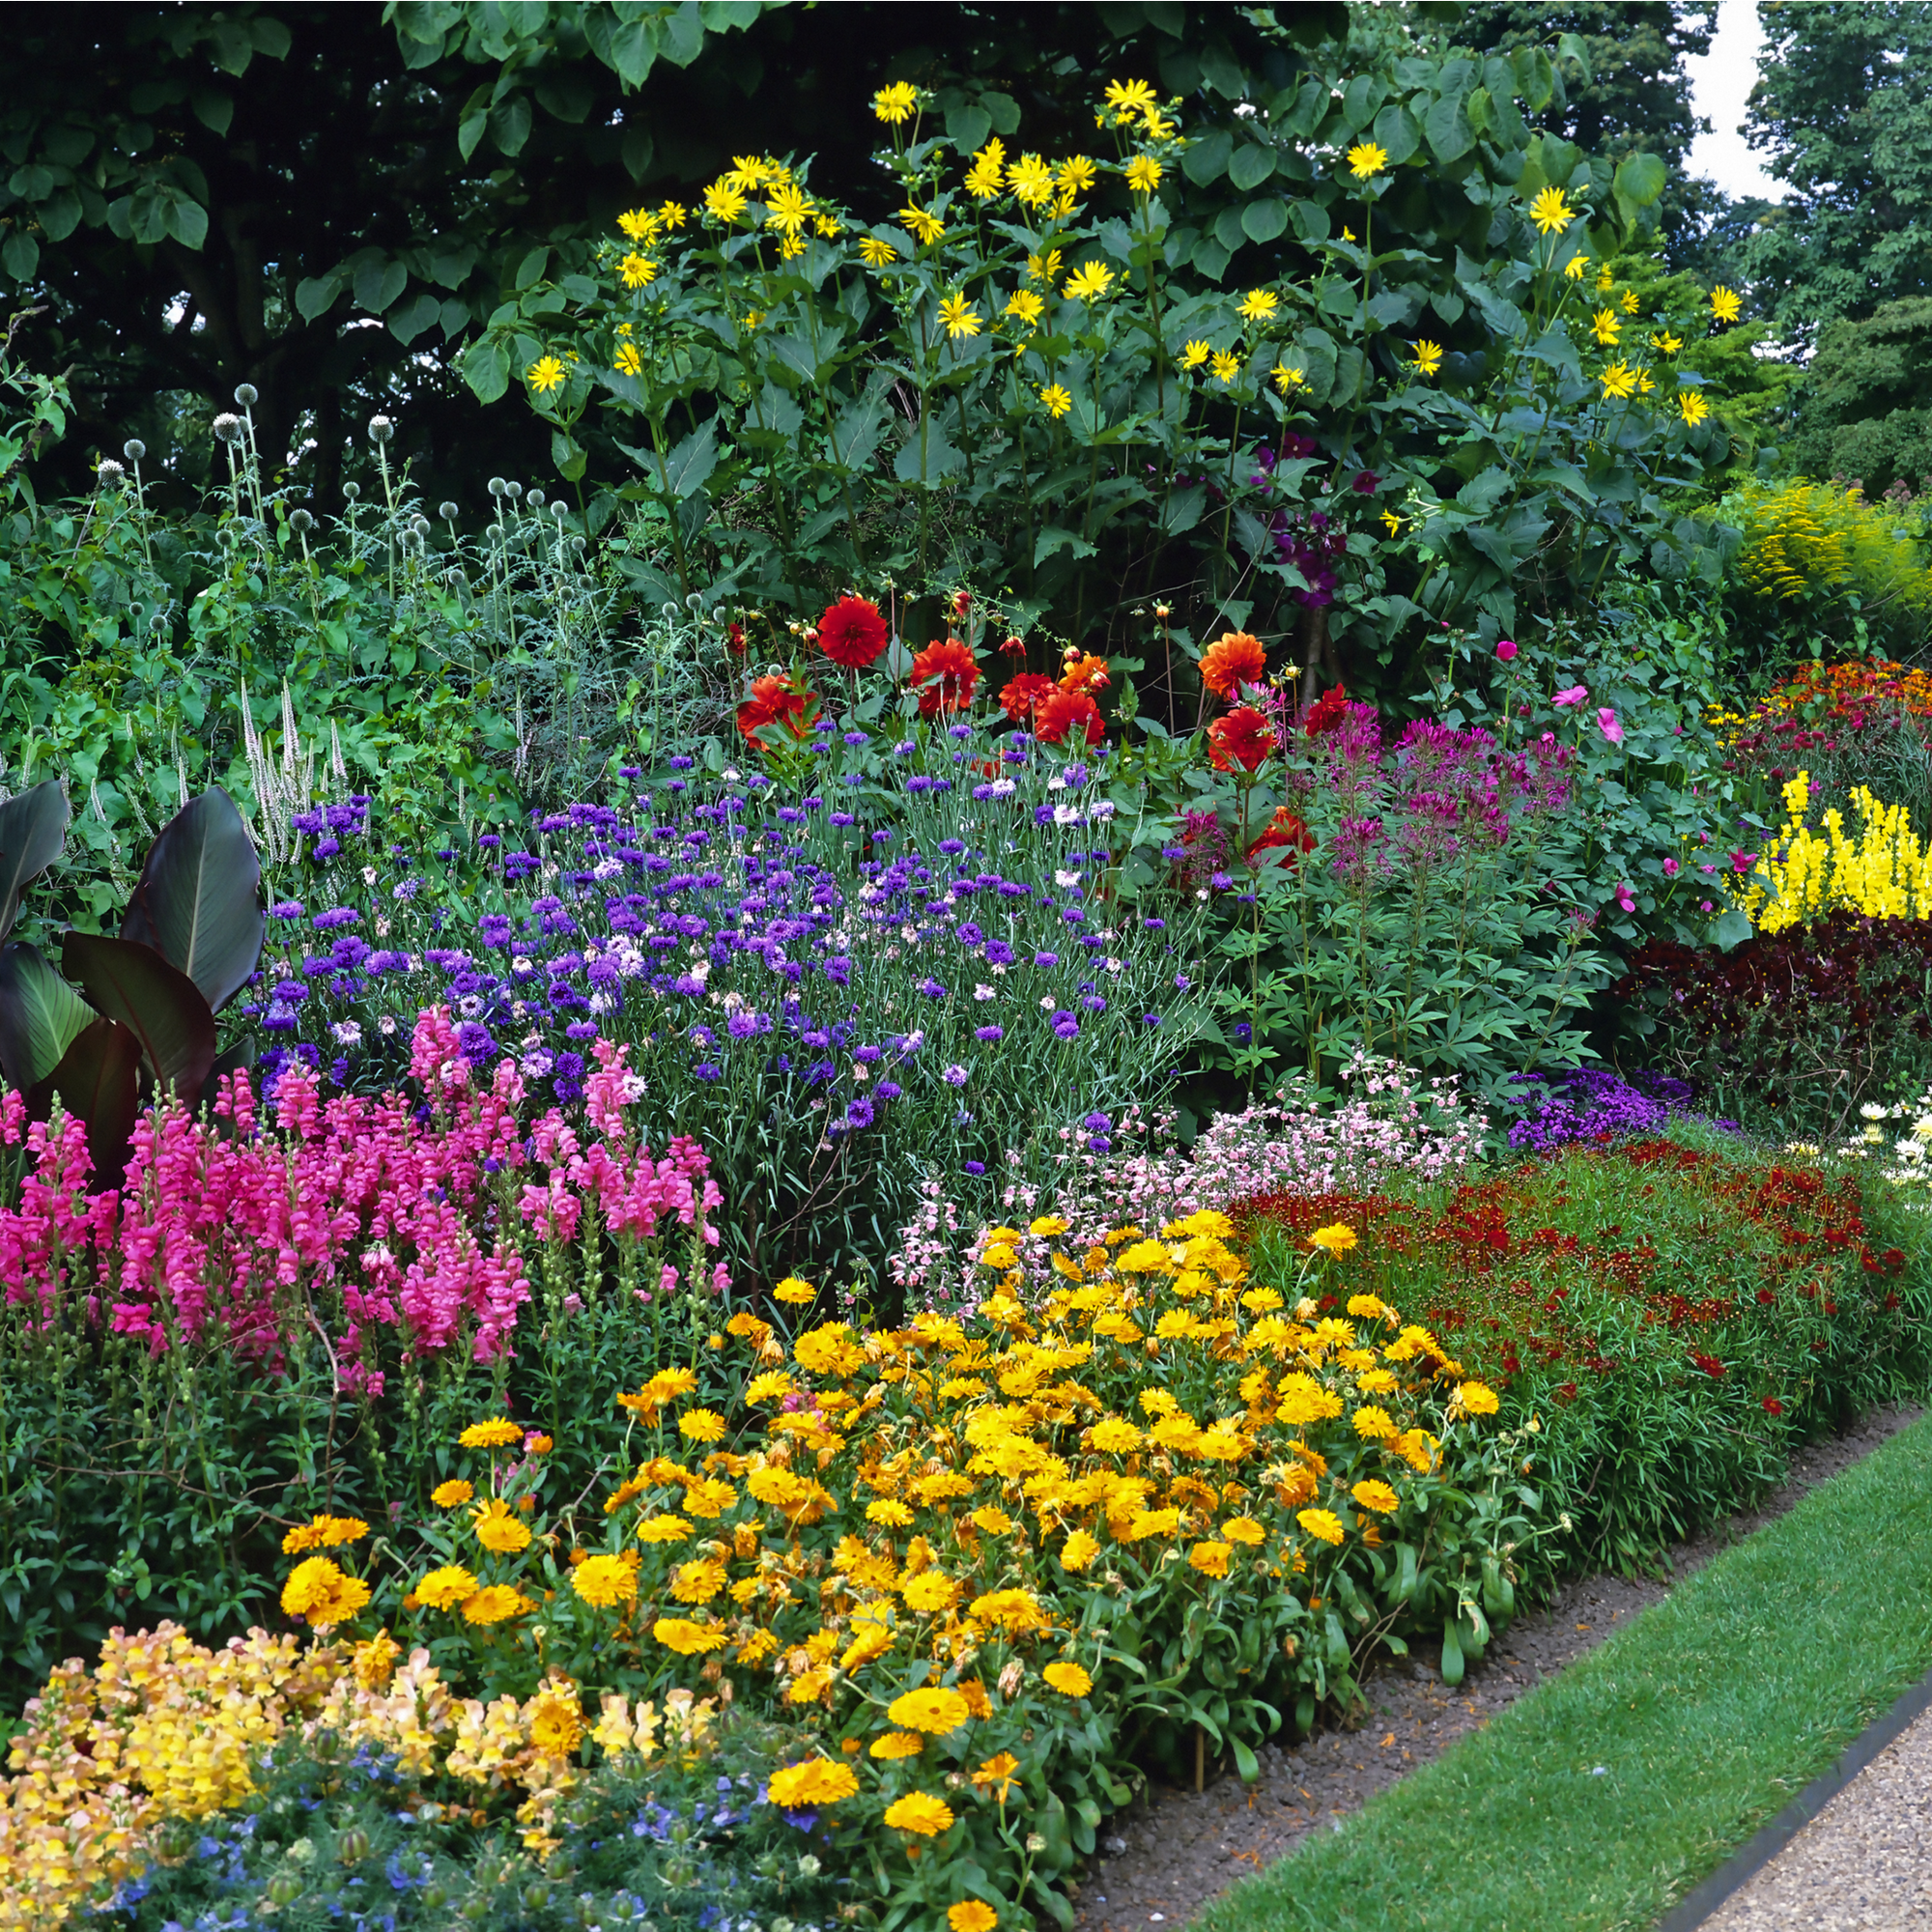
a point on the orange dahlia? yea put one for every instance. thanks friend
(1234, 659)
(947, 673)
(1024, 695)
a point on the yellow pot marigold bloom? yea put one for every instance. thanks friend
(794, 1292)
(930, 1591)
(687, 1638)
(1210, 1558)
(1374, 1424)
(1550, 212)
(446, 1588)
(1726, 304)
(768, 1387)
(1324, 1525)
(497, 1529)
(935, 1710)
(888, 1513)
(452, 1494)
(557, 1725)
(1258, 305)
(1055, 400)
(1115, 1435)
(319, 1591)
(1069, 1679)
(1375, 1495)
(895, 103)
(664, 1529)
(604, 1581)
(1366, 159)
(702, 1425)
(1477, 1398)
(1078, 1551)
(498, 1432)
(897, 1744)
(1013, 1611)
(1244, 1529)
(1143, 174)
(818, 1780)
(496, 1604)
(972, 1915)
(923, 1816)
(323, 1532)
(997, 1775)
(1337, 1238)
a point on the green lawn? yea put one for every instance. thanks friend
(1708, 1712)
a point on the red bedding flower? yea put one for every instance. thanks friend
(1243, 738)
(852, 633)
(778, 700)
(947, 673)
(1286, 831)
(1326, 712)
(1022, 698)
(1064, 713)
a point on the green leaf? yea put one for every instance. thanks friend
(570, 461)
(510, 124)
(410, 321)
(316, 296)
(32, 828)
(19, 255)
(185, 220)
(198, 899)
(486, 368)
(1206, 158)
(1054, 539)
(688, 467)
(161, 1006)
(1573, 47)
(1397, 130)
(684, 35)
(41, 1017)
(213, 109)
(634, 50)
(378, 284)
(967, 126)
(1640, 179)
(1729, 930)
(1452, 1654)
(1450, 135)
(1252, 165)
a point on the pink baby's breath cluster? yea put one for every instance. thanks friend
(400, 1217)
(1393, 1123)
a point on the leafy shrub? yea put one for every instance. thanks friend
(1668, 1320)
(1790, 1034)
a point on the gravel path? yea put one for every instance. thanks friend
(1863, 1864)
(1161, 1861)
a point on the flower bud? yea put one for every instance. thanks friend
(134, 449)
(380, 429)
(248, 395)
(227, 428)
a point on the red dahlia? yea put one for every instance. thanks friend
(947, 673)
(1243, 738)
(776, 701)
(1326, 712)
(852, 633)
(1023, 696)
(1064, 713)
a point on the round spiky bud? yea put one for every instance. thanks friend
(513, 491)
(670, 611)
(538, 499)
(456, 580)
(227, 428)
(695, 602)
(559, 510)
(422, 525)
(447, 512)
(300, 520)
(109, 473)
(134, 449)
(380, 429)
(352, 490)
(248, 395)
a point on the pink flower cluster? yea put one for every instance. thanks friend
(404, 1215)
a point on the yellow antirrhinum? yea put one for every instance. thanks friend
(1883, 873)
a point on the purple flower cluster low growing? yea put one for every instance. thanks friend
(1593, 1104)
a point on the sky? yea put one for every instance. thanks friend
(1720, 85)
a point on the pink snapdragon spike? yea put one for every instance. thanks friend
(416, 1224)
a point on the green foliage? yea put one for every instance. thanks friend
(1844, 103)
(1862, 416)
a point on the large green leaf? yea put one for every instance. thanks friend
(41, 1015)
(160, 1005)
(31, 829)
(98, 1082)
(198, 900)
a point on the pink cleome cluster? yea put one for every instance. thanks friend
(403, 1210)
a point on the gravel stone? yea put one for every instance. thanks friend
(1181, 1848)
(1863, 1864)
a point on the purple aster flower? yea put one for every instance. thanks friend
(954, 1076)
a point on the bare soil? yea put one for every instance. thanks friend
(1164, 1858)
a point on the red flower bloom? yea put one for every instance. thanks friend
(1326, 712)
(949, 672)
(1083, 673)
(852, 633)
(1013, 648)
(1023, 696)
(1234, 659)
(1066, 712)
(1285, 830)
(1243, 738)
(778, 700)
(1773, 1406)
(734, 635)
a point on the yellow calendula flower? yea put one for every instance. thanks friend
(1337, 1238)
(496, 1604)
(889, 1514)
(1552, 211)
(1258, 305)
(1477, 1398)
(895, 103)
(724, 201)
(664, 1529)
(923, 1816)
(1244, 1529)
(929, 1592)
(1078, 1551)
(1619, 381)
(1055, 400)
(497, 1529)
(498, 1432)
(927, 228)
(1324, 1525)
(1726, 304)
(875, 254)
(636, 271)
(1143, 174)
(1210, 1558)
(452, 1494)
(935, 1711)
(702, 1425)
(897, 1744)
(959, 316)
(767, 1388)
(1088, 282)
(687, 1638)
(1375, 1496)
(1069, 1679)
(1692, 406)
(1366, 159)
(446, 1588)
(627, 361)
(605, 1581)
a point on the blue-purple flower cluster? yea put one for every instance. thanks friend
(1594, 1104)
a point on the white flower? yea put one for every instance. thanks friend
(387, 1024)
(607, 868)
(347, 1033)
(983, 992)
(1064, 878)
(368, 875)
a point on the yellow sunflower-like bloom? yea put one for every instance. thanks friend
(1069, 1679)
